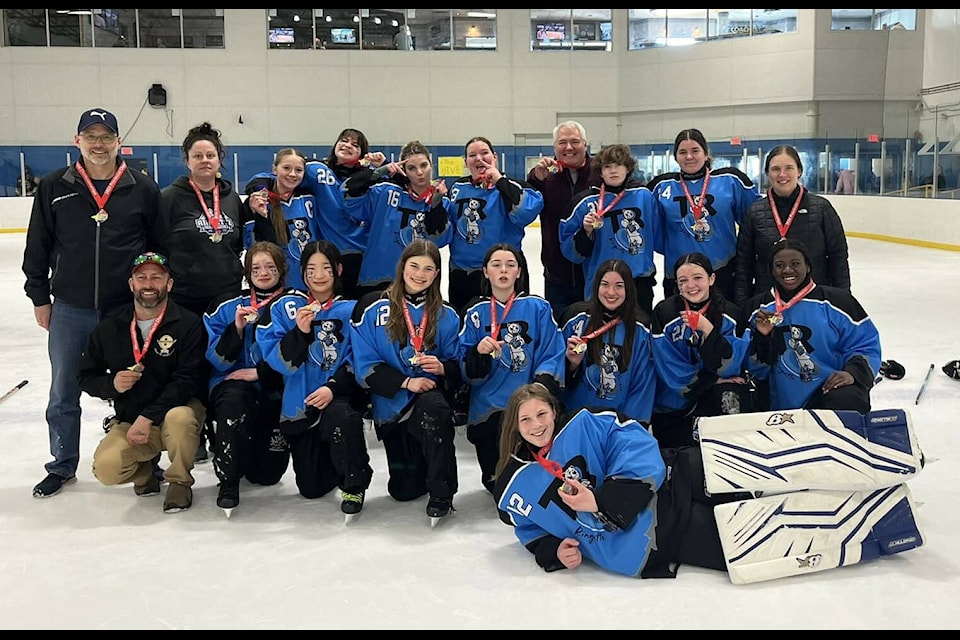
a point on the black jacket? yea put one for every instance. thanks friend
(558, 191)
(171, 375)
(817, 225)
(85, 264)
(202, 269)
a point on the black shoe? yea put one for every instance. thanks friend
(229, 495)
(351, 503)
(152, 488)
(439, 507)
(201, 452)
(51, 485)
(157, 469)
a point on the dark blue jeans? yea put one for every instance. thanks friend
(560, 297)
(70, 329)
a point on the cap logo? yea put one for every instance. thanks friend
(101, 114)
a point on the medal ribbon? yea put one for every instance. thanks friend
(423, 197)
(603, 329)
(602, 210)
(256, 305)
(494, 323)
(139, 353)
(693, 317)
(214, 219)
(781, 226)
(552, 466)
(778, 301)
(416, 335)
(102, 200)
(696, 209)
(311, 301)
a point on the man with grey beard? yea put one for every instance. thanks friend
(146, 359)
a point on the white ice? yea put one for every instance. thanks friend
(96, 557)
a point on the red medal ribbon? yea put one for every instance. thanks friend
(312, 302)
(214, 219)
(696, 209)
(423, 197)
(256, 305)
(602, 210)
(101, 200)
(781, 226)
(552, 466)
(416, 335)
(693, 317)
(602, 330)
(139, 353)
(494, 323)
(778, 301)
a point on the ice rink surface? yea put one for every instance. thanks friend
(95, 557)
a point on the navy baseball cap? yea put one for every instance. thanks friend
(98, 116)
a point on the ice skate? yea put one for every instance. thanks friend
(228, 497)
(350, 505)
(438, 508)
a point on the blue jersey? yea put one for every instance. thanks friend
(629, 232)
(482, 217)
(306, 361)
(332, 222)
(611, 382)
(395, 219)
(591, 447)
(298, 211)
(729, 194)
(687, 365)
(824, 332)
(532, 347)
(228, 350)
(373, 348)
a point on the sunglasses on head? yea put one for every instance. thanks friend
(151, 257)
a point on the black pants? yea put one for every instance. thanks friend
(686, 530)
(421, 457)
(676, 428)
(332, 453)
(247, 441)
(645, 287)
(350, 275)
(463, 288)
(485, 436)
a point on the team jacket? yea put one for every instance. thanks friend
(816, 225)
(172, 364)
(688, 365)
(482, 217)
(532, 352)
(203, 269)
(619, 460)
(729, 194)
(332, 222)
(309, 361)
(628, 233)
(558, 190)
(227, 350)
(298, 211)
(381, 364)
(824, 332)
(77, 260)
(611, 382)
(395, 219)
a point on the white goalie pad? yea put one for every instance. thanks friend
(783, 451)
(805, 532)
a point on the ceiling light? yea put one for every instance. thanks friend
(480, 14)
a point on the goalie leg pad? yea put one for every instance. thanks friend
(810, 531)
(783, 451)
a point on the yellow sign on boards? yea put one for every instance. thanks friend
(450, 167)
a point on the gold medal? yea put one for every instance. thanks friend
(415, 359)
(775, 319)
(136, 367)
(253, 316)
(216, 237)
(598, 223)
(580, 348)
(100, 216)
(315, 307)
(494, 354)
(553, 169)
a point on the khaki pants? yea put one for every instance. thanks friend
(117, 462)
